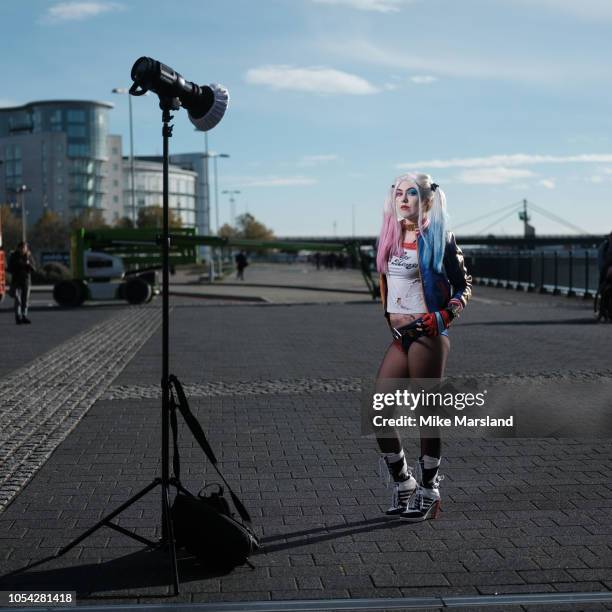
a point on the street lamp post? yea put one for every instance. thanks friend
(209, 250)
(123, 90)
(215, 156)
(21, 191)
(211, 155)
(232, 193)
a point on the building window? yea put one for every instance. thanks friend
(115, 199)
(76, 131)
(76, 116)
(12, 152)
(12, 165)
(78, 150)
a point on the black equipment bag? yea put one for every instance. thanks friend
(204, 524)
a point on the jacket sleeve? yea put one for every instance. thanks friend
(454, 264)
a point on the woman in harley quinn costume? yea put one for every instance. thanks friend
(424, 285)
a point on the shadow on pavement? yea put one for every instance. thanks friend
(540, 322)
(134, 574)
(341, 531)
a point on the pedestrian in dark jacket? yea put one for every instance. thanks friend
(21, 266)
(241, 264)
(604, 260)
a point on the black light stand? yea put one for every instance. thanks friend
(167, 541)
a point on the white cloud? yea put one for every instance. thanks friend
(449, 63)
(313, 79)
(548, 183)
(518, 159)
(595, 179)
(78, 11)
(313, 160)
(493, 176)
(273, 181)
(378, 6)
(423, 79)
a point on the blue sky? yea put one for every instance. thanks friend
(498, 100)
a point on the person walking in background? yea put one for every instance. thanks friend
(241, 264)
(20, 266)
(604, 259)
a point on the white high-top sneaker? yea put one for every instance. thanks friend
(424, 504)
(402, 490)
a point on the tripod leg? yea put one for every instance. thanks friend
(112, 515)
(101, 523)
(170, 540)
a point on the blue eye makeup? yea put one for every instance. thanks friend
(411, 192)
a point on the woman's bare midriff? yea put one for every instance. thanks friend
(399, 320)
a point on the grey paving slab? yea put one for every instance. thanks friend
(239, 343)
(514, 517)
(50, 326)
(279, 284)
(43, 401)
(342, 551)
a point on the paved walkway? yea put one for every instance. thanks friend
(276, 388)
(280, 284)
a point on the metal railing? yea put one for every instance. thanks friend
(569, 272)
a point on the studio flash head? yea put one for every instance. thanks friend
(205, 104)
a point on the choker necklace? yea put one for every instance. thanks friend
(411, 227)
